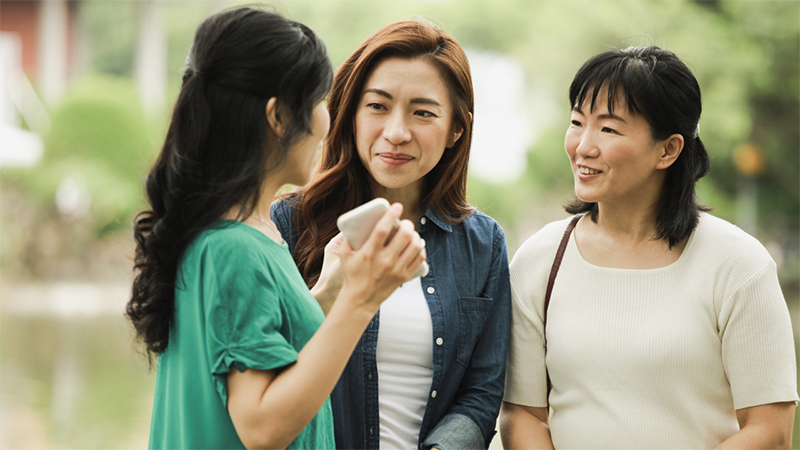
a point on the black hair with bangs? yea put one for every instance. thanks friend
(658, 86)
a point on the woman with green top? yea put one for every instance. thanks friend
(246, 357)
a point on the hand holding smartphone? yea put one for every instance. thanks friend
(357, 225)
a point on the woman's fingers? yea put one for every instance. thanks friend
(421, 257)
(389, 258)
(395, 234)
(332, 247)
(406, 245)
(331, 262)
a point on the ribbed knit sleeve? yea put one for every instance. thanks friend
(526, 376)
(757, 342)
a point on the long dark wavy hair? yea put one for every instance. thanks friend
(660, 88)
(342, 182)
(216, 154)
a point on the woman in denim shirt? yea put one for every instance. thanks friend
(429, 370)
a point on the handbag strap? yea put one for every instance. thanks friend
(557, 263)
(550, 282)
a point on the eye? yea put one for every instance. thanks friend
(608, 130)
(425, 114)
(575, 123)
(375, 106)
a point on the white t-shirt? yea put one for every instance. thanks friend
(405, 365)
(656, 358)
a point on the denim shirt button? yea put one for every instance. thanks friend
(431, 290)
(439, 341)
(433, 394)
(369, 376)
(370, 431)
(423, 220)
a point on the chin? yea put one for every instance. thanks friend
(585, 197)
(390, 182)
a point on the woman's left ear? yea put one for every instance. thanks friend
(274, 117)
(458, 130)
(671, 148)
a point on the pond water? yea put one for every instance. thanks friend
(69, 373)
(71, 377)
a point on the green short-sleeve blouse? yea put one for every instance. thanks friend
(239, 300)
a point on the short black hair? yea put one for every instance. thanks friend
(658, 86)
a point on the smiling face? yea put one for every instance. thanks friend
(403, 123)
(614, 157)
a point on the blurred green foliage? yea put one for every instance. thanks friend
(96, 152)
(112, 28)
(99, 138)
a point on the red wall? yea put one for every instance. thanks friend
(22, 17)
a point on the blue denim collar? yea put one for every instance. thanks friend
(434, 217)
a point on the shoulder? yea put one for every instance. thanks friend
(543, 242)
(483, 228)
(227, 240)
(721, 240)
(480, 221)
(286, 207)
(532, 262)
(728, 256)
(283, 212)
(224, 232)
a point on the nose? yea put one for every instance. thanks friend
(396, 130)
(587, 145)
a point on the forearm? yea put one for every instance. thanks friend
(270, 409)
(519, 428)
(766, 426)
(455, 431)
(755, 437)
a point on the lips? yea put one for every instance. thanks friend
(394, 159)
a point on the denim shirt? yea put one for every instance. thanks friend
(467, 291)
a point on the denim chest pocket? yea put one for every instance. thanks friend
(472, 313)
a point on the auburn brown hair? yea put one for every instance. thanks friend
(342, 182)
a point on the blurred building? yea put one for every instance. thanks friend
(43, 46)
(48, 35)
(37, 48)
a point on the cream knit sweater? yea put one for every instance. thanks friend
(657, 358)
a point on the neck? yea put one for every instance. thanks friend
(628, 221)
(259, 219)
(268, 191)
(409, 197)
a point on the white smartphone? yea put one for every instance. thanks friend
(357, 225)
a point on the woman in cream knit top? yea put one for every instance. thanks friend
(666, 326)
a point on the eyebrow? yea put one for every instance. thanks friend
(601, 116)
(416, 100)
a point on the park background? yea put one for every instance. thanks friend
(85, 94)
